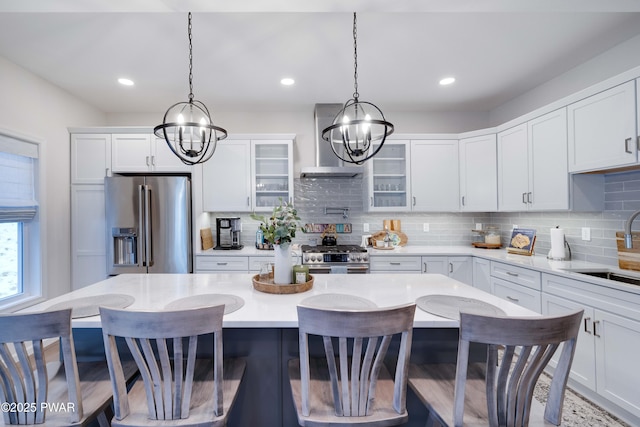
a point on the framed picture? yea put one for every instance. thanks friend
(522, 241)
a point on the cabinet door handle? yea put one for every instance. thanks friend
(394, 263)
(371, 201)
(248, 201)
(147, 160)
(512, 299)
(626, 146)
(153, 160)
(587, 322)
(512, 274)
(638, 143)
(462, 200)
(221, 263)
(595, 333)
(450, 267)
(414, 200)
(523, 197)
(424, 269)
(529, 197)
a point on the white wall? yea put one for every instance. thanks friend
(34, 107)
(617, 60)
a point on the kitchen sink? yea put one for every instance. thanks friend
(610, 275)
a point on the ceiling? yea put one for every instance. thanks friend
(496, 49)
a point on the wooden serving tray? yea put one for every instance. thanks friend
(487, 245)
(271, 288)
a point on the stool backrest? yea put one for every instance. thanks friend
(24, 378)
(167, 376)
(528, 344)
(363, 339)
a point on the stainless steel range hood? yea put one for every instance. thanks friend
(327, 164)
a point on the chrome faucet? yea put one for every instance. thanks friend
(628, 239)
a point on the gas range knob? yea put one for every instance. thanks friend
(306, 258)
(365, 257)
(313, 257)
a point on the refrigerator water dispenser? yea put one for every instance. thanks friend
(125, 246)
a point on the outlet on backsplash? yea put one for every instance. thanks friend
(365, 227)
(586, 234)
(425, 227)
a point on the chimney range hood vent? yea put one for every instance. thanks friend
(327, 164)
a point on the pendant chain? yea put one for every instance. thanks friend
(190, 63)
(355, 59)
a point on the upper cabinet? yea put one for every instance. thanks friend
(434, 176)
(532, 165)
(602, 130)
(248, 175)
(388, 178)
(416, 175)
(90, 158)
(478, 174)
(143, 152)
(226, 178)
(271, 173)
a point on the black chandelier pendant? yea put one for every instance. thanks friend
(359, 129)
(187, 126)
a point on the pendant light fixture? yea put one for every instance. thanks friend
(359, 130)
(187, 126)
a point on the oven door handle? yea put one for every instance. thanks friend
(328, 268)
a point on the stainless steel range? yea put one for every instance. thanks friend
(350, 259)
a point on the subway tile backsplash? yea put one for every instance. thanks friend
(622, 197)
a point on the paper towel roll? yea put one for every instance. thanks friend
(557, 243)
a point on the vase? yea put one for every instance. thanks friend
(282, 265)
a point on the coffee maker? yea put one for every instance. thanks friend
(228, 233)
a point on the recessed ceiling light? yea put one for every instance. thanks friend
(287, 81)
(125, 82)
(447, 81)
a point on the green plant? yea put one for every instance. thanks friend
(280, 228)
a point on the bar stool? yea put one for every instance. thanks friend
(351, 384)
(500, 391)
(55, 393)
(178, 389)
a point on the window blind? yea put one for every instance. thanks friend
(17, 179)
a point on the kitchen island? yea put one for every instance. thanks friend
(264, 328)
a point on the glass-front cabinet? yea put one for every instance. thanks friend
(272, 173)
(388, 178)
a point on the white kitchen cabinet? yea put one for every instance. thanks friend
(226, 178)
(482, 274)
(395, 264)
(248, 175)
(517, 285)
(88, 245)
(532, 165)
(90, 158)
(456, 267)
(388, 178)
(143, 152)
(271, 173)
(435, 184)
(610, 337)
(221, 264)
(602, 130)
(478, 174)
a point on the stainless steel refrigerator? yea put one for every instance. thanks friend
(148, 224)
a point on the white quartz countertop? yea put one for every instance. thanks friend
(263, 310)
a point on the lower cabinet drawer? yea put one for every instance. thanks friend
(410, 264)
(521, 276)
(222, 263)
(521, 295)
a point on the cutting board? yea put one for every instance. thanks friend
(207, 238)
(628, 259)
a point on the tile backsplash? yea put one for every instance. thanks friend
(312, 196)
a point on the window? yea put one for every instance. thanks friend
(20, 277)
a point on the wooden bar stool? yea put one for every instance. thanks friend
(178, 388)
(54, 393)
(351, 384)
(500, 391)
